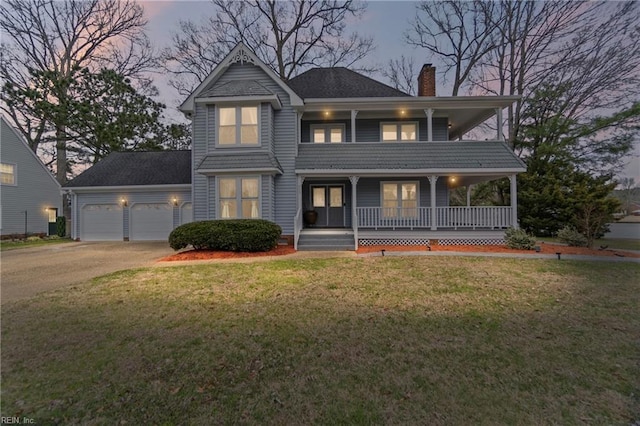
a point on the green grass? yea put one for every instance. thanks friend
(395, 340)
(13, 245)
(612, 243)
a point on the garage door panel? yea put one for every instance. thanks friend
(151, 221)
(101, 222)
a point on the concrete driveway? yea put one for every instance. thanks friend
(27, 272)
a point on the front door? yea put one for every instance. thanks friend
(52, 214)
(328, 202)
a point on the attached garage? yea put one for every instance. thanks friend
(101, 222)
(131, 196)
(150, 221)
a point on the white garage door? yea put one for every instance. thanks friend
(151, 221)
(186, 213)
(101, 222)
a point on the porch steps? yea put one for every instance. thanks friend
(310, 241)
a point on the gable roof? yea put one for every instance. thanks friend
(242, 54)
(20, 139)
(339, 82)
(236, 88)
(137, 168)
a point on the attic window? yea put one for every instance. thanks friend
(238, 125)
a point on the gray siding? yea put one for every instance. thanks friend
(368, 130)
(278, 133)
(35, 188)
(132, 197)
(369, 191)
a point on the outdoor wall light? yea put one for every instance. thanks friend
(124, 202)
(175, 202)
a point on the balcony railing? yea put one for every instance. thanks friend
(476, 217)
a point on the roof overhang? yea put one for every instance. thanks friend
(129, 188)
(270, 170)
(464, 112)
(407, 172)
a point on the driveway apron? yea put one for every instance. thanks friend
(27, 272)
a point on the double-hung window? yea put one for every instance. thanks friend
(399, 199)
(239, 198)
(323, 133)
(7, 174)
(404, 131)
(238, 125)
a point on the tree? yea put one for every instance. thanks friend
(288, 36)
(56, 39)
(103, 113)
(459, 33)
(628, 191)
(401, 74)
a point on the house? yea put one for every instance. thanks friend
(374, 164)
(31, 199)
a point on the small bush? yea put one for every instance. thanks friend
(227, 235)
(519, 239)
(61, 226)
(572, 237)
(33, 238)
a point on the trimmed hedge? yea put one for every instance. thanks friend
(227, 235)
(519, 239)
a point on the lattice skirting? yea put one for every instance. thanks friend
(424, 241)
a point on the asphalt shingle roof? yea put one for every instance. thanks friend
(339, 83)
(240, 161)
(236, 88)
(407, 156)
(137, 168)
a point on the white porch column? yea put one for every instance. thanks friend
(514, 201)
(354, 205)
(297, 221)
(499, 134)
(429, 112)
(469, 195)
(434, 215)
(354, 113)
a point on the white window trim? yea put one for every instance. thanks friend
(399, 183)
(15, 174)
(398, 125)
(238, 144)
(238, 179)
(327, 131)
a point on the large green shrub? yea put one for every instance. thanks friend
(570, 236)
(519, 239)
(227, 235)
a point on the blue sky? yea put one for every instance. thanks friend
(385, 21)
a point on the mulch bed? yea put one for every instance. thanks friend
(283, 250)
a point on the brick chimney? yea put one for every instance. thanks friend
(427, 81)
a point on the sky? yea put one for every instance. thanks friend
(385, 21)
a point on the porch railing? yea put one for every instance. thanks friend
(473, 217)
(383, 217)
(446, 217)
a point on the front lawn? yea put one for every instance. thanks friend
(383, 340)
(31, 242)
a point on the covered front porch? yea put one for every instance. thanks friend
(399, 209)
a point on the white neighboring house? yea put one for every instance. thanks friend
(31, 198)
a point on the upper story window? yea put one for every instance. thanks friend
(7, 174)
(332, 133)
(238, 125)
(400, 132)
